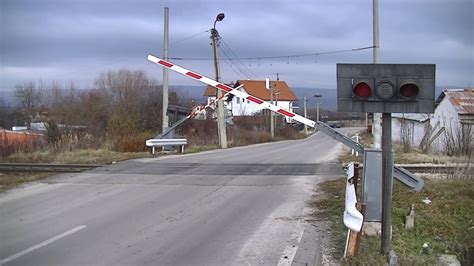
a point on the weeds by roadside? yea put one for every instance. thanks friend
(13, 179)
(445, 225)
(100, 156)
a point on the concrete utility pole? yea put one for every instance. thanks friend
(269, 87)
(165, 70)
(221, 127)
(376, 126)
(317, 96)
(305, 115)
(275, 93)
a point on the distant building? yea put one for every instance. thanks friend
(282, 96)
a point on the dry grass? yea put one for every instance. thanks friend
(100, 156)
(201, 148)
(416, 156)
(13, 179)
(446, 224)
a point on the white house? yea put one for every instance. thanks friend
(453, 121)
(411, 129)
(449, 129)
(282, 96)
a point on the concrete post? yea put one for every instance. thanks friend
(376, 127)
(221, 127)
(165, 122)
(305, 115)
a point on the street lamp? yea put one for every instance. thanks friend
(219, 17)
(317, 96)
(220, 105)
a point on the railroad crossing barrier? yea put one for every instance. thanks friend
(399, 173)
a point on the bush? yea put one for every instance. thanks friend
(132, 142)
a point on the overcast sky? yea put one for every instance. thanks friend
(66, 40)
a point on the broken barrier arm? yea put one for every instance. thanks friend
(326, 129)
(196, 110)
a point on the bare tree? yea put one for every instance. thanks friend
(406, 134)
(458, 139)
(133, 104)
(29, 98)
(5, 114)
(126, 89)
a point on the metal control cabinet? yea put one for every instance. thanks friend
(372, 185)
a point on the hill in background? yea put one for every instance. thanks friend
(328, 100)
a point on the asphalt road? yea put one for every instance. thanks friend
(239, 206)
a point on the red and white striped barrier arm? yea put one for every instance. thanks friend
(200, 108)
(231, 90)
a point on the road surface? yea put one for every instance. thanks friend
(239, 206)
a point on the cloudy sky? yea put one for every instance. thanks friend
(75, 40)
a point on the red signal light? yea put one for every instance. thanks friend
(362, 90)
(409, 91)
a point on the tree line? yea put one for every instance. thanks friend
(123, 108)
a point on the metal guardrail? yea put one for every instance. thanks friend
(166, 142)
(46, 167)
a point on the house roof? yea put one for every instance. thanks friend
(462, 100)
(257, 88)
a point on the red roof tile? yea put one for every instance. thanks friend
(257, 88)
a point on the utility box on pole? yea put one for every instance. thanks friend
(372, 185)
(386, 88)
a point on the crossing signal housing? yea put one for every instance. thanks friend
(386, 88)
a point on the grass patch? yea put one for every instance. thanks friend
(88, 156)
(9, 180)
(446, 224)
(201, 148)
(414, 156)
(13, 179)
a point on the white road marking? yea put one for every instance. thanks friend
(290, 250)
(42, 244)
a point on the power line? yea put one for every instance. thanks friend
(234, 67)
(233, 64)
(189, 37)
(280, 56)
(235, 57)
(241, 68)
